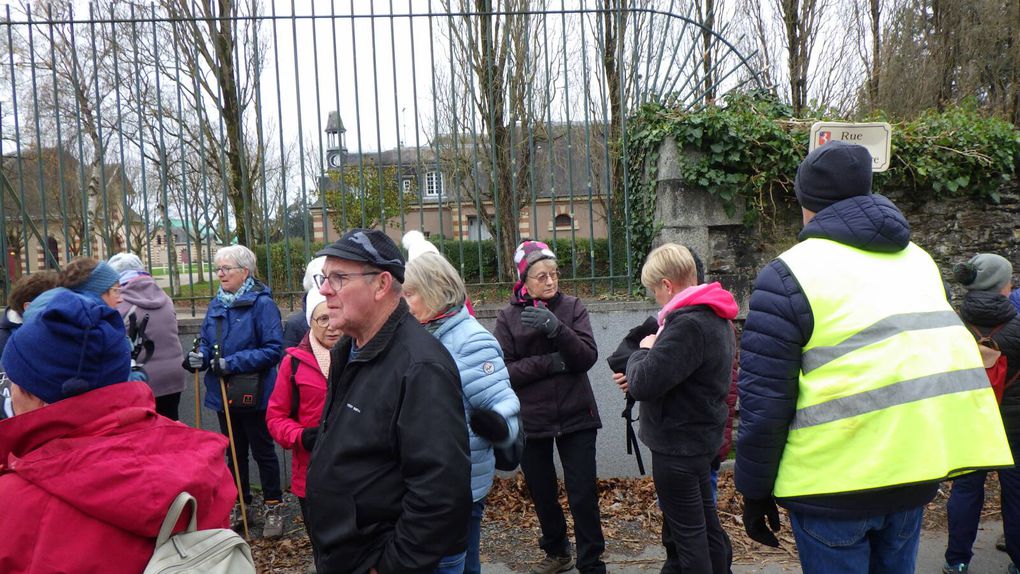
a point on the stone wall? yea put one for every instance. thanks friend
(952, 230)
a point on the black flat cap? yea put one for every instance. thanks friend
(368, 246)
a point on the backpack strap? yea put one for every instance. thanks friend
(1016, 376)
(295, 397)
(174, 514)
(981, 336)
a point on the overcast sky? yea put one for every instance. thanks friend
(380, 72)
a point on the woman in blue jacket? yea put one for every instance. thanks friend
(435, 294)
(245, 322)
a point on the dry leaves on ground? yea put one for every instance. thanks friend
(631, 522)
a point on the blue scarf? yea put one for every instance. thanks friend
(228, 298)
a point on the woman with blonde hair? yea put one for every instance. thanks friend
(681, 376)
(435, 293)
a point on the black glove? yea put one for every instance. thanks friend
(558, 364)
(755, 513)
(193, 361)
(542, 319)
(308, 438)
(489, 425)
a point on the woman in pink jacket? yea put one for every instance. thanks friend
(295, 406)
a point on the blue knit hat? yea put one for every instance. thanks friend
(100, 280)
(73, 345)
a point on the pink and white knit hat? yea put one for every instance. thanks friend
(528, 253)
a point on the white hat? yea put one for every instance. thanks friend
(416, 244)
(312, 300)
(314, 268)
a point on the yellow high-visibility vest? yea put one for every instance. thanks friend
(892, 389)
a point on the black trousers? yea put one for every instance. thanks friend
(168, 406)
(304, 517)
(694, 539)
(251, 432)
(577, 455)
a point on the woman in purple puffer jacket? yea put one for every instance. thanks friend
(548, 348)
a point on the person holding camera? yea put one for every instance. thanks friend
(242, 343)
(680, 376)
(141, 297)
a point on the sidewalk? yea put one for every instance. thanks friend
(929, 561)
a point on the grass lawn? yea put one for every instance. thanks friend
(163, 271)
(201, 290)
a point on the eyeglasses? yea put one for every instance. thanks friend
(322, 320)
(336, 280)
(224, 270)
(545, 277)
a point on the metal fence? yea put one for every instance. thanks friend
(174, 128)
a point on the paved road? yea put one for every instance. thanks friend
(987, 559)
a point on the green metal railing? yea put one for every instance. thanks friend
(171, 129)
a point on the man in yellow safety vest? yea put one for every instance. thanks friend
(860, 389)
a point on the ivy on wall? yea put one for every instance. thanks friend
(748, 149)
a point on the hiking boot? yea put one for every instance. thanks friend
(1000, 543)
(954, 568)
(553, 564)
(273, 525)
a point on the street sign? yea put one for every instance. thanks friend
(876, 136)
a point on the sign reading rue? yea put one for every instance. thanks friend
(876, 136)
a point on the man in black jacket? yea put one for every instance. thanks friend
(389, 479)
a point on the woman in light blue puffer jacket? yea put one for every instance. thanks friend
(435, 294)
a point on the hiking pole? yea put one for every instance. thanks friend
(198, 393)
(230, 435)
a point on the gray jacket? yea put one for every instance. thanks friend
(142, 296)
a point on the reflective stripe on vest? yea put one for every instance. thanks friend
(892, 390)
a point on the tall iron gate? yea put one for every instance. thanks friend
(174, 128)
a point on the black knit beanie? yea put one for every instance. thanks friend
(832, 173)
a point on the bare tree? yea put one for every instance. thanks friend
(199, 78)
(814, 76)
(499, 52)
(937, 53)
(79, 61)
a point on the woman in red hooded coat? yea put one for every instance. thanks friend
(87, 467)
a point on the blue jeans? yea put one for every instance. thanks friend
(964, 513)
(713, 479)
(473, 562)
(451, 564)
(884, 544)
